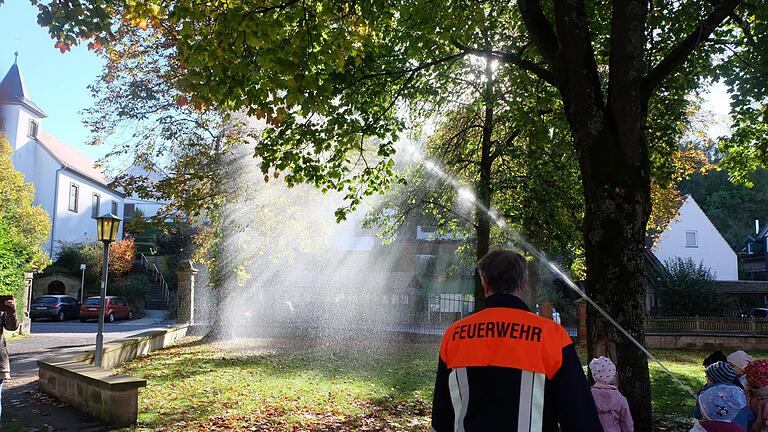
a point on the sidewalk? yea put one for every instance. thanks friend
(153, 316)
(28, 410)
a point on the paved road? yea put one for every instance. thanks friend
(24, 408)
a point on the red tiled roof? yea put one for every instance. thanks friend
(71, 158)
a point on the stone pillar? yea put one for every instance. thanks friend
(546, 307)
(186, 307)
(582, 313)
(25, 323)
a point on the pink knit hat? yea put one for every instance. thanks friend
(603, 370)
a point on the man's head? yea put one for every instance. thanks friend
(503, 271)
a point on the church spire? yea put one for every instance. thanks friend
(13, 91)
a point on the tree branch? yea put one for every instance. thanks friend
(511, 58)
(687, 46)
(412, 70)
(541, 30)
(744, 26)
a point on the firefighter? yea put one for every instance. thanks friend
(507, 369)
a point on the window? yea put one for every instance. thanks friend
(95, 203)
(128, 210)
(749, 248)
(691, 239)
(114, 208)
(73, 195)
(32, 129)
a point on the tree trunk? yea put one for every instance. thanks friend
(614, 245)
(484, 189)
(617, 206)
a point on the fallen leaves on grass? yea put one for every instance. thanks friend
(394, 418)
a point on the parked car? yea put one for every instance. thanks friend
(756, 313)
(58, 307)
(114, 308)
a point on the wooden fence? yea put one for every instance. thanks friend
(706, 325)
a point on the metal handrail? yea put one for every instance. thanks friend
(158, 275)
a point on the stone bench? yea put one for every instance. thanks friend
(113, 398)
(96, 391)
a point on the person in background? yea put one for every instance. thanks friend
(8, 322)
(757, 394)
(612, 406)
(739, 360)
(723, 374)
(720, 405)
(715, 357)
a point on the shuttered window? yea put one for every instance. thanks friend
(74, 192)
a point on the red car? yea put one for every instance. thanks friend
(114, 308)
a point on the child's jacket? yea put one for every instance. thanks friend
(612, 408)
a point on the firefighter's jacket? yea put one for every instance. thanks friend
(507, 369)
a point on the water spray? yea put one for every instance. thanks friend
(467, 195)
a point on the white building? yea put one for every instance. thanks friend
(68, 185)
(692, 235)
(148, 207)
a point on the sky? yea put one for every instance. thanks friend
(58, 83)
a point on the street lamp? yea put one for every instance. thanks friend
(82, 282)
(106, 232)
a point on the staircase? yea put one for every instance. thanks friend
(158, 296)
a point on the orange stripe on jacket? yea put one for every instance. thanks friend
(505, 337)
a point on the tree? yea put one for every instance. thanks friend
(732, 208)
(24, 228)
(328, 75)
(687, 288)
(502, 135)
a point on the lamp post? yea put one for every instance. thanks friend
(106, 231)
(82, 283)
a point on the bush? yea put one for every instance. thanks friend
(176, 241)
(71, 255)
(133, 288)
(687, 288)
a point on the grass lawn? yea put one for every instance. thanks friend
(268, 385)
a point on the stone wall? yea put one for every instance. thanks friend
(706, 342)
(71, 284)
(112, 398)
(96, 391)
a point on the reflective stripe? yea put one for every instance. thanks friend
(464, 391)
(526, 398)
(537, 402)
(531, 406)
(459, 388)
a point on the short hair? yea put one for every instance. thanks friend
(503, 270)
(713, 358)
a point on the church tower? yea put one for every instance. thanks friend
(20, 118)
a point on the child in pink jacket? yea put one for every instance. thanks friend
(757, 393)
(612, 407)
